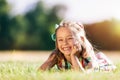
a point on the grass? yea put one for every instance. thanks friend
(18, 70)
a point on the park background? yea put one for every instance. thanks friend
(27, 26)
(32, 28)
(25, 35)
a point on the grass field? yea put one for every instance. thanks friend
(23, 65)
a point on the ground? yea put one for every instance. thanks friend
(36, 56)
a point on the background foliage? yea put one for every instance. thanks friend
(33, 30)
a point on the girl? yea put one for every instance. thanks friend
(74, 51)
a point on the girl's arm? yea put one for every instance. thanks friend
(87, 56)
(76, 64)
(50, 62)
(88, 60)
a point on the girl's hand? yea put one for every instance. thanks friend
(75, 61)
(74, 50)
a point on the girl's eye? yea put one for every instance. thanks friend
(70, 38)
(60, 40)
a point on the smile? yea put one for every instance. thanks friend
(66, 48)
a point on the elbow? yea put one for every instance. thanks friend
(42, 68)
(89, 66)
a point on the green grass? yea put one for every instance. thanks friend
(12, 70)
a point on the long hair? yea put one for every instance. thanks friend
(79, 33)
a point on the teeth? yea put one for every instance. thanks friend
(66, 48)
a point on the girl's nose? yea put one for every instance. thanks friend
(65, 42)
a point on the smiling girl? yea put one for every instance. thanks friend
(74, 51)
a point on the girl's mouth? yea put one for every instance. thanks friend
(66, 48)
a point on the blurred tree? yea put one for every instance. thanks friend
(33, 30)
(104, 35)
(18, 27)
(5, 39)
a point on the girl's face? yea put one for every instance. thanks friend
(65, 40)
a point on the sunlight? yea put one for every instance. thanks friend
(116, 29)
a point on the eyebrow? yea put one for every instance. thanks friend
(67, 36)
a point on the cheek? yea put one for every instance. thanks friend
(72, 43)
(58, 45)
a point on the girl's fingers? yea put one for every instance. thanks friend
(75, 50)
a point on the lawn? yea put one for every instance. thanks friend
(15, 69)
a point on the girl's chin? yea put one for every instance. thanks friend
(67, 53)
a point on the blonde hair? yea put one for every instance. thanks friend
(76, 27)
(78, 30)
